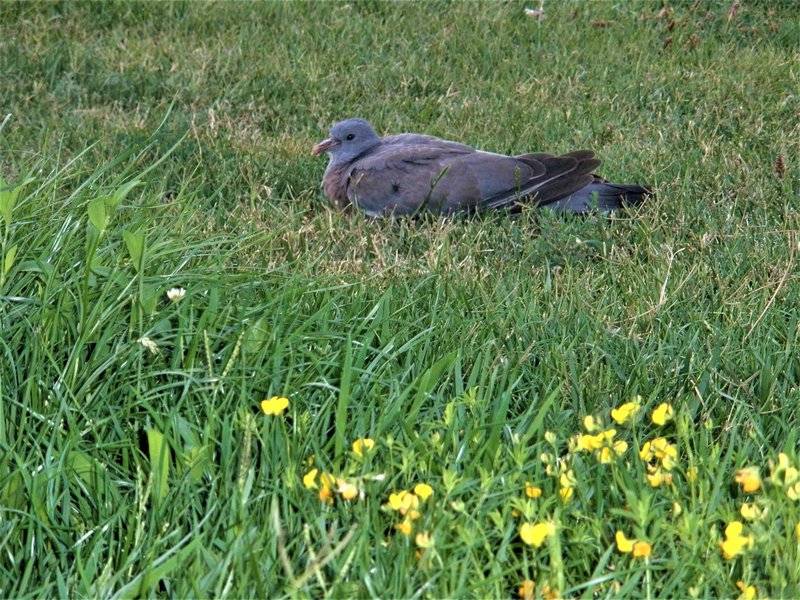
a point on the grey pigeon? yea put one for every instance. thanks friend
(408, 173)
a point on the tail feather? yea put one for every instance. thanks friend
(601, 197)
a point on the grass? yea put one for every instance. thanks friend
(153, 146)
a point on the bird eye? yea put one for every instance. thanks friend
(350, 136)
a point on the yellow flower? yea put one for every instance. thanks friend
(749, 592)
(624, 545)
(405, 502)
(638, 548)
(749, 479)
(396, 499)
(423, 490)
(309, 479)
(548, 593)
(793, 491)
(527, 589)
(785, 475)
(660, 450)
(797, 532)
(590, 424)
(676, 508)
(608, 453)
(347, 490)
(749, 511)
(326, 481)
(586, 442)
(362, 445)
(624, 412)
(405, 527)
(535, 535)
(550, 438)
(275, 405)
(662, 413)
(568, 483)
(531, 491)
(424, 540)
(659, 478)
(642, 549)
(735, 543)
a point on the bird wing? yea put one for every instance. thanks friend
(401, 179)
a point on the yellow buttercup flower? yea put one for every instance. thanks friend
(660, 450)
(625, 412)
(586, 442)
(735, 543)
(749, 592)
(423, 490)
(749, 478)
(568, 483)
(309, 479)
(608, 453)
(749, 511)
(641, 550)
(527, 589)
(591, 424)
(326, 482)
(531, 491)
(548, 593)
(536, 534)
(347, 490)
(405, 527)
(624, 545)
(405, 503)
(637, 548)
(363, 445)
(793, 491)
(662, 414)
(659, 477)
(424, 540)
(275, 405)
(396, 499)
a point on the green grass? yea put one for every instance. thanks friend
(152, 146)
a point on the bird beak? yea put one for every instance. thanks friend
(323, 146)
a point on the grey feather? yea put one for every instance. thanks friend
(407, 173)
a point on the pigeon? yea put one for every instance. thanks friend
(410, 173)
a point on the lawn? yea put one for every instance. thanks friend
(537, 406)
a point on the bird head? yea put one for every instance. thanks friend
(347, 140)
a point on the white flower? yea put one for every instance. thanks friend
(149, 344)
(176, 294)
(536, 13)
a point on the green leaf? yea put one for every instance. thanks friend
(258, 335)
(93, 475)
(119, 195)
(159, 454)
(344, 400)
(160, 568)
(97, 213)
(8, 261)
(8, 198)
(148, 298)
(135, 245)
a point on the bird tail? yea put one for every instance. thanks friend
(602, 197)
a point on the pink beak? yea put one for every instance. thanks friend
(323, 146)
